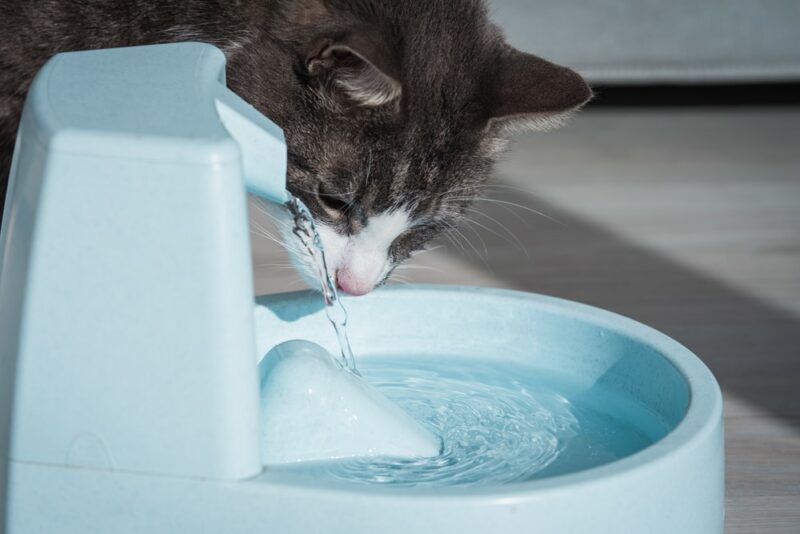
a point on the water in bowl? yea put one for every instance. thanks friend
(499, 424)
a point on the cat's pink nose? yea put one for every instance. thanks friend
(352, 285)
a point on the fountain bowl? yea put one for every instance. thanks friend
(675, 484)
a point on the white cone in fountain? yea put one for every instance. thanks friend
(312, 409)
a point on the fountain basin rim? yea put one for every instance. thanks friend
(703, 415)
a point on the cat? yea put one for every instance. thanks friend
(393, 111)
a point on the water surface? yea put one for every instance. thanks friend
(500, 423)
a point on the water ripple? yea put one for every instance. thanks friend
(494, 429)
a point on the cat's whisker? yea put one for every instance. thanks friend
(315, 193)
(406, 266)
(301, 190)
(369, 168)
(508, 210)
(511, 242)
(290, 245)
(268, 237)
(457, 237)
(468, 224)
(507, 187)
(512, 204)
(423, 251)
(449, 234)
(526, 208)
(295, 283)
(260, 204)
(455, 243)
(398, 278)
(306, 270)
(277, 220)
(254, 225)
(490, 185)
(278, 265)
(258, 231)
(451, 229)
(477, 252)
(515, 241)
(470, 193)
(261, 233)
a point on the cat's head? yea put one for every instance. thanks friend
(397, 113)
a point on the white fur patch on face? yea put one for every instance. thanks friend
(365, 262)
(381, 231)
(335, 245)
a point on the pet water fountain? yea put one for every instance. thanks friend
(141, 390)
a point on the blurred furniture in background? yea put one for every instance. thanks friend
(660, 41)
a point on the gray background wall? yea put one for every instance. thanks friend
(635, 41)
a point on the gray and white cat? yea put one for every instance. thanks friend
(393, 110)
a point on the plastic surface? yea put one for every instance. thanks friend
(675, 485)
(313, 409)
(161, 103)
(126, 312)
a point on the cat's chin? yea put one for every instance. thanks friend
(341, 288)
(350, 282)
(355, 291)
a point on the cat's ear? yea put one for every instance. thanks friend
(525, 92)
(360, 64)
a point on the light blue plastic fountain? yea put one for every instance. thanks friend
(142, 391)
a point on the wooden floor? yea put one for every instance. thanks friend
(688, 221)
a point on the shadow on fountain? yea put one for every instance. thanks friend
(291, 311)
(750, 345)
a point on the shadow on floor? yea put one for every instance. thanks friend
(752, 347)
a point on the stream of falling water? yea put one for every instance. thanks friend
(306, 231)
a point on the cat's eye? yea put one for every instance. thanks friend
(331, 200)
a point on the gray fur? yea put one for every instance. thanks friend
(384, 103)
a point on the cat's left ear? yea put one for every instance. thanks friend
(524, 92)
(360, 64)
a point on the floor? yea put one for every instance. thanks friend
(687, 220)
